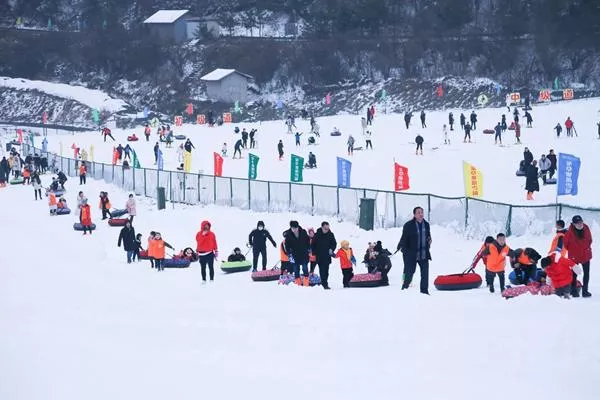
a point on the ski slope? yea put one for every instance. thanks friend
(78, 322)
(438, 171)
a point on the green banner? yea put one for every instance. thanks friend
(96, 116)
(296, 168)
(136, 161)
(252, 166)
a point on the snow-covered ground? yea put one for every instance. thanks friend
(94, 99)
(80, 323)
(438, 171)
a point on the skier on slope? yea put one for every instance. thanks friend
(237, 149)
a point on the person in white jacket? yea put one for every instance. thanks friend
(544, 164)
(368, 135)
(180, 153)
(131, 207)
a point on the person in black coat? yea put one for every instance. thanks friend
(258, 241)
(62, 179)
(5, 169)
(188, 146)
(237, 149)
(252, 141)
(553, 163)
(280, 149)
(156, 148)
(527, 157)
(415, 244)
(419, 141)
(323, 247)
(503, 123)
(245, 138)
(297, 246)
(377, 259)
(451, 121)
(463, 121)
(532, 183)
(127, 237)
(473, 120)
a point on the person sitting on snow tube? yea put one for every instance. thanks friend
(54, 185)
(187, 254)
(525, 264)
(52, 203)
(236, 256)
(62, 204)
(377, 259)
(132, 138)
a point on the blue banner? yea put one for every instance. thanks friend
(568, 174)
(344, 168)
(160, 161)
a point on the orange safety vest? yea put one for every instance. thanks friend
(159, 249)
(283, 257)
(563, 251)
(524, 259)
(496, 261)
(52, 199)
(86, 216)
(82, 170)
(26, 173)
(151, 247)
(147, 131)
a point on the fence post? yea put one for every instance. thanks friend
(171, 186)
(122, 177)
(509, 221)
(429, 208)
(338, 200)
(231, 192)
(312, 199)
(214, 188)
(364, 193)
(184, 186)
(102, 169)
(133, 171)
(559, 211)
(395, 214)
(249, 196)
(268, 196)
(290, 196)
(466, 213)
(113, 174)
(145, 185)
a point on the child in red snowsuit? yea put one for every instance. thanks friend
(560, 273)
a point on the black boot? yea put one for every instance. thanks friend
(586, 294)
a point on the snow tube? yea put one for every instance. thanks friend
(286, 279)
(366, 280)
(144, 255)
(18, 181)
(489, 131)
(180, 137)
(117, 221)
(518, 280)
(520, 172)
(336, 133)
(551, 181)
(457, 281)
(314, 280)
(176, 263)
(534, 288)
(57, 193)
(118, 213)
(266, 276)
(63, 211)
(78, 227)
(132, 138)
(235, 266)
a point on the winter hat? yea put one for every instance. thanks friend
(546, 261)
(311, 230)
(345, 243)
(489, 239)
(577, 219)
(236, 250)
(205, 224)
(294, 224)
(260, 223)
(378, 247)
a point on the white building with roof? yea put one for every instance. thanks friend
(168, 26)
(227, 85)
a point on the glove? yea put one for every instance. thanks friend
(353, 260)
(216, 254)
(517, 265)
(331, 253)
(291, 257)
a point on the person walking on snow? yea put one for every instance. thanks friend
(578, 242)
(252, 138)
(105, 205)
(529, 119)
(473, 120)
(280, 149)
(127, 151)
(323, 247)
(451, 121)
(37, 185)
(544, 165)
(463, 121)
(407, 118)
(350, 143)
(82, 173)
(363, 125)
(419, 141)
(297, 136)
(498, 136)
(127, 238)
(517, 133)
(224, 150)
(188, 146)
(415, 244)
(423, 117)
(131, 207)
(206, 247)
(553, 162)
(467, 129)
(258, 241)
(297, 247)
(531, 180)
(245, 138)
(570, 126)
(147, 132)
(558, 128)
(106, 132)
(237, 149)
(156, 149)
(503, 123)
(156, 247)
(445, 132)
(368, 143)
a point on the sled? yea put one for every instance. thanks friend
(266, 276)
(180, 137)
(176, 263)
(118, 213)
(489, 131)
(78, 227)
(18, 181)
(63, 211)
(520, 172)
(143, 255)
(454, 282)
(518, 280)
(366, 280)
(230, 267)
(117, 221)
(338, 133)
(132, 138)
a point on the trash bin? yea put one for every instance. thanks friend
(161, 198)
(366, 219)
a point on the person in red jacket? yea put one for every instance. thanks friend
(560, 273)
(206, 247)
(578, 242)
(569, 125)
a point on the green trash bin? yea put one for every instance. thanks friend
(161, 198)
(366, 220)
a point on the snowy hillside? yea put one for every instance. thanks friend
(439, 171)
(80, 323)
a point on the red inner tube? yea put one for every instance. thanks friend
(457, 281)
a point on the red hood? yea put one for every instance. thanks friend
(205, 224)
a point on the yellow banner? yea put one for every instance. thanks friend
(473, 181)
(187, 161)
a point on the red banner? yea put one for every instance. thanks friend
(20, 136)
(189, 109)
(45, 117)
(227, 118)
(545, 95)
(218, 162)
(401, 180)
(440, 91)
(200, 119)
(178, 120)
(568, 94)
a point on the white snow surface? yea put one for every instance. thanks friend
(78, 322)
(95, 99)
(165, 16)
(439, 171)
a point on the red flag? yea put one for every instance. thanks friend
(218, 162)
(401, 181)
(440, 91)
(44, 117)
(20, 135)
(189, 109)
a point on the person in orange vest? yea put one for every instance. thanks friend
(525, 264)
(105, 205)
(52, 203)
(284, 259)
(26, 176)
(480, 256)
(156, 247)
(347, 261)
(557, 244)
(496, 261)
(147, 132)
(150, 248)
(82, 173)
(85, 217)
(312, 258)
